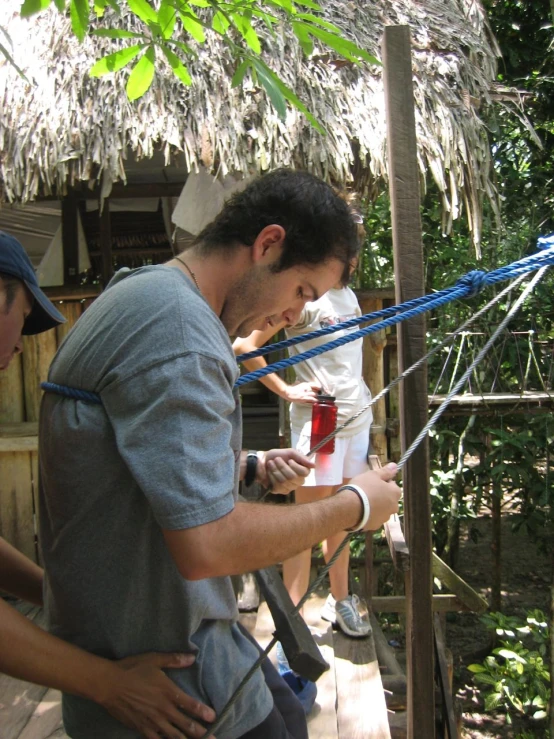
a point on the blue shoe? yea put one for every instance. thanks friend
(305, 690)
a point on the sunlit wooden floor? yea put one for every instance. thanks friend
(350, 703)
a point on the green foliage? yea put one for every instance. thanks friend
(515, 678)
(174, 27)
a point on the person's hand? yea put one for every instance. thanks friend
(283, 470)
(382, 492)
(304, 392)
(143, 698)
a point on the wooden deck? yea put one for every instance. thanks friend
(350, 702)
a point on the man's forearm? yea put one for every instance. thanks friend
(256, 535)
(273, 382)
(19, 576)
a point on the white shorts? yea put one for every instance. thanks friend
(349, 458)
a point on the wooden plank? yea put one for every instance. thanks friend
(442, 603)
(72, 292)
(385, 654)
(106, 243)
(38, 352)
(19, 444)
(70, 240)
(322, 721)
(12, 407)
(397, 543)
(18, 699)
(25, 428)
(16, 502)
(373, 346)
(361, 706)
(409, 283)
(46, 719)
(71, 310)
(469, 597)
(449, 715)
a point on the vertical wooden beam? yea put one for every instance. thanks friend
(409, 283)
(70, 240)
(373, 374)
(106, 242)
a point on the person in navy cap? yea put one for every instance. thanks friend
(24, 308)
(134, 690)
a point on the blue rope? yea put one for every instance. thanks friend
(469, 284)
(474, 282)
(71, 392)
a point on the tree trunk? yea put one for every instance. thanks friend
(452, 548)
(496, 547)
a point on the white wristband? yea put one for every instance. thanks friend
(365, 503)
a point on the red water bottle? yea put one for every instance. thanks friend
(324, 422)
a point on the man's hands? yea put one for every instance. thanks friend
(143, 698)
(282, 470)
(383, 494)
(304, 392)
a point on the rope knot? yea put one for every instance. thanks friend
(474, 280)
(545, 242)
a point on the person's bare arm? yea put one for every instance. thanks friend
(19, 576)
(254, 535)
(303, 392)
(134, 690)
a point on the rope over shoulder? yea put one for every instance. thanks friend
(71, 392)
(474, 280)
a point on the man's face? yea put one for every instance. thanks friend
(11, 323)
(264, 298)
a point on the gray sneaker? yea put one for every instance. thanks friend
(345, 614)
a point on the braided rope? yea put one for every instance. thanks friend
(470, 284)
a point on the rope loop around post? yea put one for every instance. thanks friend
(474, 280)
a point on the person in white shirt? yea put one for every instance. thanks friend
(338, 373)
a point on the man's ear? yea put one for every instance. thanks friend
(268, 246)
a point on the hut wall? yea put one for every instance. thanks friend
(20, 393)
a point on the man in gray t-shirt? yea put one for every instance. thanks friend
(140, 523)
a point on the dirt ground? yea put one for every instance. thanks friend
(525, 585)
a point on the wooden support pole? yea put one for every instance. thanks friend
(373, 374)
(409, 283)
(70, 240)
(106, 243)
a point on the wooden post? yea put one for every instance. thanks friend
(70, 240)
(38, 352)
(106, 242)
(373, 375)
(409, 283)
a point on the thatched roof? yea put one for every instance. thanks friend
(69, 127)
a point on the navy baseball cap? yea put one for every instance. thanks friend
(15, 262)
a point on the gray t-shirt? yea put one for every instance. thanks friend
(162, 451)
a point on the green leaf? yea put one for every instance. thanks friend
(285, 92)
(60, 5)
(30, 7)
(179, 69)
(243, 25)
(142, 75)
(80, 14)
(192, 25)
(184, 47)
(4, 51)
(220, 24)
(167, 15)
(199, 3)
(319, 22)
(308, 4)
(539, 715)
(284, 4)
(476, 668)
(240, 72)
(144, 10)
(342, 46)
(509, 654)
(303, 37)
(117, 60)
(267, 78)
(116, 33)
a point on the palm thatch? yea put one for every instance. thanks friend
(69, 127)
